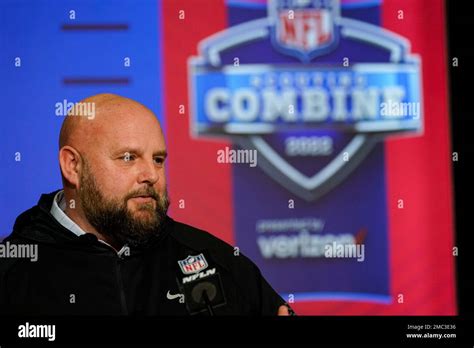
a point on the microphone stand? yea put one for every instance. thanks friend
(208, 303)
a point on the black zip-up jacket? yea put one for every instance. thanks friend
(78, 275)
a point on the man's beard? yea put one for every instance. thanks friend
(112, 218)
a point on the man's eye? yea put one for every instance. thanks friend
(159, 160)
(128, 157)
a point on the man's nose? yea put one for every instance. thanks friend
(148, 173)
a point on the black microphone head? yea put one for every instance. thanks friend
(200, 289)
(200, 283)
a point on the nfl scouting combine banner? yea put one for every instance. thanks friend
(300, 98)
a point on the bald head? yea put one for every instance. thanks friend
(106, 125)
(98, 113)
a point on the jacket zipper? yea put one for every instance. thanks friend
(123, 302)
(118, 274)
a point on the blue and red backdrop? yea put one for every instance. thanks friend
(204, 66)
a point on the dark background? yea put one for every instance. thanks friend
(460, 19)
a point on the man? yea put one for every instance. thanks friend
(105, 243)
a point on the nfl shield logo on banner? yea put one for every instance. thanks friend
(193, 264)
(304, 28)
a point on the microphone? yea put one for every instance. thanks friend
(200, 283)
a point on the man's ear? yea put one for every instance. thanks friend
(70, 162)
